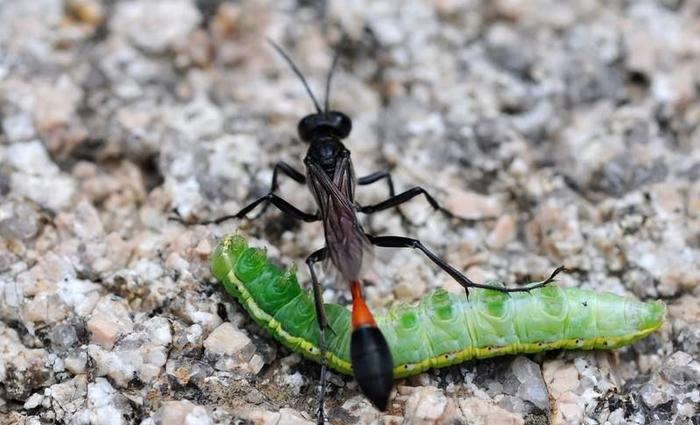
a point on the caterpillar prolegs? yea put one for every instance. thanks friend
(442, 329)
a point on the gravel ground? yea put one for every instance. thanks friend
(575, 123)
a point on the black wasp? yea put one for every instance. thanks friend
(331, 180)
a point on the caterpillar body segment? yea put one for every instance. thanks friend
(442, 329)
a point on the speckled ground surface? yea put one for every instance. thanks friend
(575, 123)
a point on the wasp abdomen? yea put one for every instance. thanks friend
(372, 364)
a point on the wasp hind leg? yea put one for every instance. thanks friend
(403, 197)
(550, 279)
(386, 175)
(464, 281)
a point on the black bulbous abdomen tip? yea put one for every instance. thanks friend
(372, 364)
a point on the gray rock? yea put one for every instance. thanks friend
(681, 369)
(532, 387)
(689, 339)
(22, 224)
(186, 371)
(672, 392)
(22, 369)
(64, 336)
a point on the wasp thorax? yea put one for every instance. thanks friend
(325, 151)
(331, 123)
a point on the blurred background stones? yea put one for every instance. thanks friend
(574, 122)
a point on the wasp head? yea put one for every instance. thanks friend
(332, 123)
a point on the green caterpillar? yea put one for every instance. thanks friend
(441, 330)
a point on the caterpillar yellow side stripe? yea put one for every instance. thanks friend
(442, 329)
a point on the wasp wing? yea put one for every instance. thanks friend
(345, 239)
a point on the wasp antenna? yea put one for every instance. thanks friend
(329, 78)
(296, 71)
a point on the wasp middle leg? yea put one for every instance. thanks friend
(386, 175)
(315, 257)
(376, 176)
(396, 200)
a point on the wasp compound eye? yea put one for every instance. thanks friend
(340, 123)
(306, 127)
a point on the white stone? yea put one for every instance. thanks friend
(81, 295)
(33, 401)
(135, 356)
(428, 405)
(155, 24)
(175, 412)
(503, 232)
(109, 320)
(284, 416)
(560, 377)
(256, 363)
(227, 340)
(18, 127)
(76, 364)
(101, 409)
(198, 416)
(31, 158)
(483, 412)
(473, 205)
(37, 177)
(159, 331)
